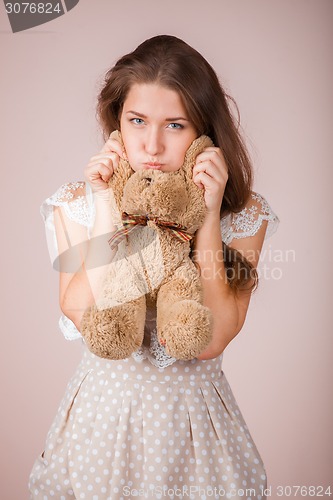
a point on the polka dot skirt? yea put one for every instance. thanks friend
(126, 429)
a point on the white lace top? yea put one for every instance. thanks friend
(76, 199)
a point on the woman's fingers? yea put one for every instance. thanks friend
(102, 166)
(208, 168)
(203, 179)
(104, 155)
(112, 145)
(211, 161)
(210, 153)
(204, 166)
(211, 173)
(97, 173)
(111, 161)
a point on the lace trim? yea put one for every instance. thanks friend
(247, 222)
(68, 329)
(155, 353)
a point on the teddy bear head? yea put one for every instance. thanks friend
(171, 196)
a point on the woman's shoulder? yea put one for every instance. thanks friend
(75, 198)
(248, 221)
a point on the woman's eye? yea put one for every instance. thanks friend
(137, 121)
(175, 125)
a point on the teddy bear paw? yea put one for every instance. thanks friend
(188, 331)
(113, 333)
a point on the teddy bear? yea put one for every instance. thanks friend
(156, 215)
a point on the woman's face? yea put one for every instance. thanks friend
(155, 128)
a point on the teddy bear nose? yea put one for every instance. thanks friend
(148, 179)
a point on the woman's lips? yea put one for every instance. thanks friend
(156, 166)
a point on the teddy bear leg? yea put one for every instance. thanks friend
(184, 325)
(115, 332)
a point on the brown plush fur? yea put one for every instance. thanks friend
(151, 266)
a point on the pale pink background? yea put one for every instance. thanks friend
(275, 59)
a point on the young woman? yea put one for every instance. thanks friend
(149, 425)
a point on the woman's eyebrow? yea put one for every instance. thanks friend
(141, 115)
(136, 113)
(176, 119)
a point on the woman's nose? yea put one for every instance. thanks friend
(154, 143)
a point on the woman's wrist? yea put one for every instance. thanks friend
(210, 223)
(207, 249)
(104, 222)
(99, 252)
(102, 194)
(213, 216)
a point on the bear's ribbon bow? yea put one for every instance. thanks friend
(130, 221)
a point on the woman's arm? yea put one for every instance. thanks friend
(80, 289)
(229, 312)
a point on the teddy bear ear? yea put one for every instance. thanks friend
(197, 146)
(117, 135)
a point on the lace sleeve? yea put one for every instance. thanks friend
(248, 221)
(75, 198)
(77, 202)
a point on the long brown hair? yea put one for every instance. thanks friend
(172, 63)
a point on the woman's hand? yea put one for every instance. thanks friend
(101, 166)
(210, 173)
